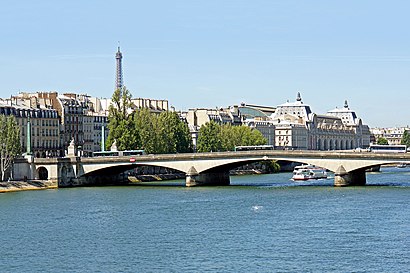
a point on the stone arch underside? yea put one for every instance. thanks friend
(115, 169)
(201, 166)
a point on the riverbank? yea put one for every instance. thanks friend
(14, 186)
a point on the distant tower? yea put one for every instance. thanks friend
(119, 77)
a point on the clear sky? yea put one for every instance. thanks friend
(216, 53)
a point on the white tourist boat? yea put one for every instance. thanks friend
(401, 165)
(307, 172)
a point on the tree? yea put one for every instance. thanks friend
(232, 136)
(405, 140)
(382, 141)
(271, 166)
(174, 135)
(214, 137)
(10, 146)
(121, 125)
(146, 123)
(209, 137)
(184, 138)
(141, 129)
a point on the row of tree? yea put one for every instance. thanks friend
(131, 130)
(214, 137)
(166, 133)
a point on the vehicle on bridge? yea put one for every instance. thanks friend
(254, 148)
(376, 148)
(119, 153)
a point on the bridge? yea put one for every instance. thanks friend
(200, 168)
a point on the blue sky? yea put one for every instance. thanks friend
(216, 53)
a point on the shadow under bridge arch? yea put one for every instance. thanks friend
(119, 173)
(247, 164)
(217, 171)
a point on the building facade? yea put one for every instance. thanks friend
(74, 119)
(393, 135)
(259, 118)
(297, 127)
(44, 125)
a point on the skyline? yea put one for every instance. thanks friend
(215, 53)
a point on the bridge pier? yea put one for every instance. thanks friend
(353, 178)
(193, 178)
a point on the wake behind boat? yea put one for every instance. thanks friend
(307, 172)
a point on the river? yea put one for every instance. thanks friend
(261, 223)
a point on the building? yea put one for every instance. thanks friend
(297, 127)
(350, 119)
(392, 135)
(97, 120)
(155, 106)
(70, 111)
(44, 125)
(197, 117)
(75, 117)
(259, 118)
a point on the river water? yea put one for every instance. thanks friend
(262, 223)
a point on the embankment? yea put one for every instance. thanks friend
(13, 186)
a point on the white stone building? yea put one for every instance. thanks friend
(297, 127)
(393, 135)
(44, 125)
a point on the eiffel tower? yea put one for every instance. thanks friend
(119, 76)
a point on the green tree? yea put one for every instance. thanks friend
(271, 166)
(232, 136)
(146, 124)
(121, 104)
(141, 129)
(167, 128)
(209, 137)
(10, 146)
(382, 141)
(174, 135)
(184, 138)
(163, 133)
(405, 140)
(227, 137)
(121, 125)
(214, 137)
